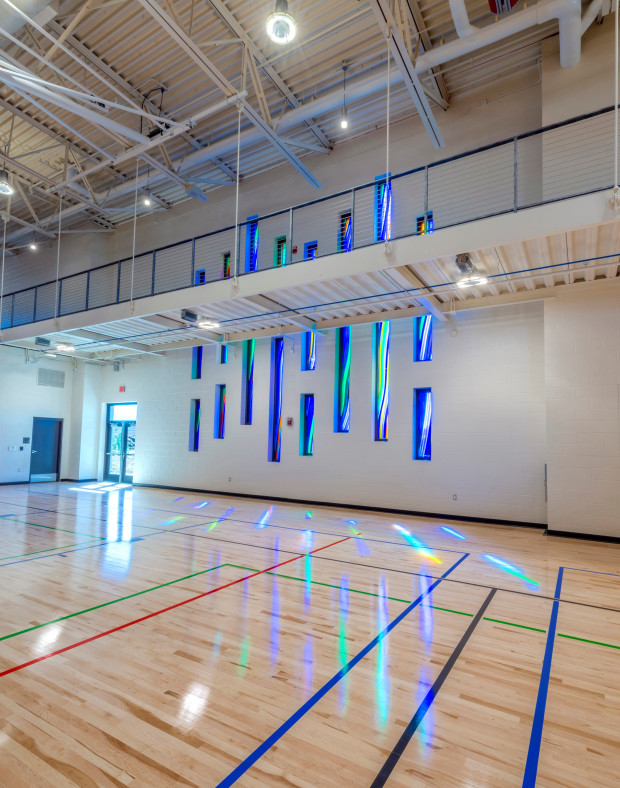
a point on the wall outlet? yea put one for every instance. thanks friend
(454, 496)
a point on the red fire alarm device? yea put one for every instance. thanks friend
(289, 422)
(121, 388)
(294, 250)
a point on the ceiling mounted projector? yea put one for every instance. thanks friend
(281, 27)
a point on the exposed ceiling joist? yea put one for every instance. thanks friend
(234, 24)
(401, 56)
(405, 277)
(198, 56)
(271, 305)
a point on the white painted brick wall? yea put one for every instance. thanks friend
(488, 431)
(582, 351)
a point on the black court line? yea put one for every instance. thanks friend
(180, 532)
(401, 745)
(328, 533)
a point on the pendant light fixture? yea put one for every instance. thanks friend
(281, 27)
(5, 186)
(344, 120)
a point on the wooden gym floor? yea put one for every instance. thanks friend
(154, 638)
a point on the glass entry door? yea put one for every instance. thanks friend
(121, 443)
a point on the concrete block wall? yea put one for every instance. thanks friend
(488, 429)
(582, 353)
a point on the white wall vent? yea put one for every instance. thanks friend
(51, 377)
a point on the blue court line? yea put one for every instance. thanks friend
(533, 753)
(242, 768)
(589, 571)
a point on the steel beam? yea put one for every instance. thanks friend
(399, 52)
(198, 56)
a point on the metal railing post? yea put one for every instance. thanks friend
(60, 297)
(118, 283)
(87, 290)
(153, 273)
(425, 195)
(289, 251)
(191, 284)
(352, 218)
(515, 163)
(34, 307)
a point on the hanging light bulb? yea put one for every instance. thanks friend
(344, 119)
(281, 27)
(147, 198)
(32, 245)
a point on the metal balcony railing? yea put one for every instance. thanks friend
(567, 159)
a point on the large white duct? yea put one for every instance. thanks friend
(568, 13)
(12, 22)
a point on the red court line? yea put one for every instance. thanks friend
(164, 610)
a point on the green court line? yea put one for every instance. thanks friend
(49, 549)
(111, 602)
(51, 527)
(352, 590)
(585, 640)
(287, 577)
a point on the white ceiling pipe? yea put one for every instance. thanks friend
(567, 12)
(461, 20)
(361, 88)
(29, 86)
(12, 21)
(592, 11)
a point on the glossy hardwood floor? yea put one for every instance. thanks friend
(154, 638)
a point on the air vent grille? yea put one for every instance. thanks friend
(51, 377)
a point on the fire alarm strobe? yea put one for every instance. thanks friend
(289, 422)
(121, 388)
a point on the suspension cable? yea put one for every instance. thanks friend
(6, 219)
(236, 267)
(58, 262)
(616, 108)
(133, 249)
(387, 127)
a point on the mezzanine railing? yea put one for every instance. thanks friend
(557, 162)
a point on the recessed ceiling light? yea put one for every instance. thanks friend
(472, 281)
(281, 27)
(207, 323)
